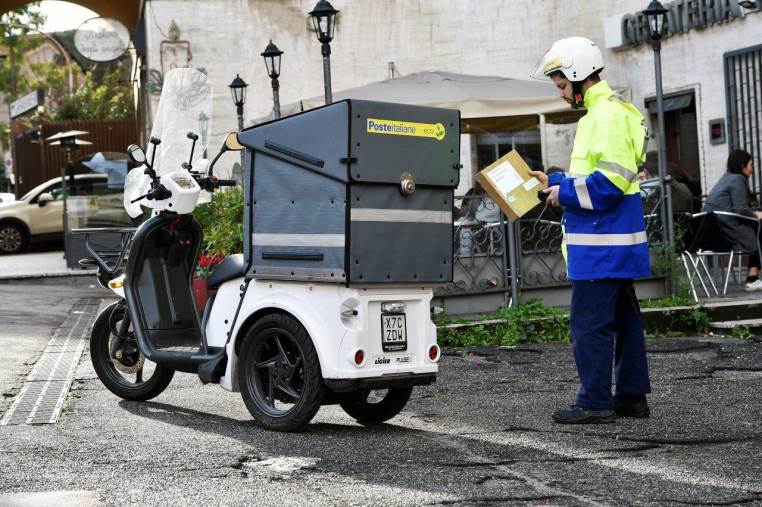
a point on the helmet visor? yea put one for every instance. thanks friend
(550, 62)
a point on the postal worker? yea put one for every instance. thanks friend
(605, 241)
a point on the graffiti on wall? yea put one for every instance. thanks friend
(173, 53)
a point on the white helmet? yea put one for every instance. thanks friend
(575, 57)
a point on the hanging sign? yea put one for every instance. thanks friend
(101, 39)
(26, 103)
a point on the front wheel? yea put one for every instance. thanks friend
(13, 238)
(119, 364)
(279, 374)
(371, 407)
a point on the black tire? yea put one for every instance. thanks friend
(278, 363)
(13, 238)
(103, 363)
(370, 414)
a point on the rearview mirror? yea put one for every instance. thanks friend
(136, 154)
(44, 198)
(231, 142)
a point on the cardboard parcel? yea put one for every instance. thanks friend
(508, 182)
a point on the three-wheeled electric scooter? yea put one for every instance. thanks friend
(347, 227)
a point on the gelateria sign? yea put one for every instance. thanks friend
(101, 39)
(682, 16)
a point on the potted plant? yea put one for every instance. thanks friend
(204, 268)
(221, 221)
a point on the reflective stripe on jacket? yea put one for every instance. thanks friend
(604, 229)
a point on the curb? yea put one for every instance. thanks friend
(46, 276)
(675, 318)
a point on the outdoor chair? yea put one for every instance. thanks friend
(704, 238)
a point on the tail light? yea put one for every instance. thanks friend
(359, 357)
(434, 353)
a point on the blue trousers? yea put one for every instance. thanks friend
(606, 326)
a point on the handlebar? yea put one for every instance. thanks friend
(212, 183)
(158, 192)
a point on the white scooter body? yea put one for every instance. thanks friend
(362, 346)
(340, 321)
(327, 313)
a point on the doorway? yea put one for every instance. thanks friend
(680, 124)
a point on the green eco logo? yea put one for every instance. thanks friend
(439, 131)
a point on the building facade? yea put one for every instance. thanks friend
(376, 39)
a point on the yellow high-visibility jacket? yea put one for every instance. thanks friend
(604, 229)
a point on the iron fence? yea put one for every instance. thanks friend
(482, 247)
(479, 249)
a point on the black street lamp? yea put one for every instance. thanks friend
(324, 22)
(238, 92)
(272, 56)
(656, 15)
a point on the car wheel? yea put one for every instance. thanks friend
(371, 407)
(13, 238)
(279, 374)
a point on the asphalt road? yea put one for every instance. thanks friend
(480, 435)
(29, 313)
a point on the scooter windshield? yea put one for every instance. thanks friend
(185, 106)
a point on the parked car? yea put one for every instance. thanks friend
(38, 215)
(7, 197)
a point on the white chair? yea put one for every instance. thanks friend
(705, 238)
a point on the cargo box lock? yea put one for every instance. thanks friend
(407, 185)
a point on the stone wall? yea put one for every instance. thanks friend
(487, 37)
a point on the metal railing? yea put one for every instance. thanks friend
(479, 248)
(486, 245)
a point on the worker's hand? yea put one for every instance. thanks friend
(540, 176)
(758, 214)
(553, 195)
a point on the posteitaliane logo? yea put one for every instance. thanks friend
(406, 128)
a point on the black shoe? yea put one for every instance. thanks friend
(581, 415)
(632, 406)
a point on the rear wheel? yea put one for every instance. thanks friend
(371, 407)
(279, 374)
(121, 367)
(13, 238)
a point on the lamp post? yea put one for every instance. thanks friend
(272, 55)
(238, 92)
(657, 17)
(324, 22)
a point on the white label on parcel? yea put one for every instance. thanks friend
(531, 183)
(505, 177)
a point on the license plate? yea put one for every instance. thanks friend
(393, 332)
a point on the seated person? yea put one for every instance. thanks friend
(732, 194)
(682, 197)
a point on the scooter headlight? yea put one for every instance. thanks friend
(116, 283)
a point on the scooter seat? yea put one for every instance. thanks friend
(230, 268)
